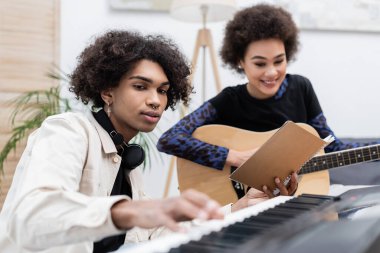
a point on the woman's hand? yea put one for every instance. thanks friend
(189, 205)
(252, 197)
(236, 158)
(286, 191)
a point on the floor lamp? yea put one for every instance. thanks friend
(201, 11)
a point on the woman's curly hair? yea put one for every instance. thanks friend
(103, 64)
(255, 23)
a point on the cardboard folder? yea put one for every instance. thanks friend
(283, 153)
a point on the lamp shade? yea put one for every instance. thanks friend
(190, 10)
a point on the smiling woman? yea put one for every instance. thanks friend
(258, 43)
(265, 67)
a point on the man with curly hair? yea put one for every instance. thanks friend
(73, 186)
(258, 42)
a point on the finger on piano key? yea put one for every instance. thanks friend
(174, 240)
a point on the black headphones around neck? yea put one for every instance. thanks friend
(132, 155)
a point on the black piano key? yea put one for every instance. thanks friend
(289, 210)
(311, 201)
(269, 221)
(261, 223)
(297, 206)
(227, 240)
(326, 197)
(244, 230)
(258, 225)
(235, 234)
(267, 217)
(306, 205)
(223, 236)
(193, 247)
(217, 244)
(284, 212)
(232, 236)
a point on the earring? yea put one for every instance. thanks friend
(108, 110)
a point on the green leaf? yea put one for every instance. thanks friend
(31, 109)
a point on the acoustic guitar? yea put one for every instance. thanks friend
(313, 176)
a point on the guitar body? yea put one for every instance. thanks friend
(216, 183)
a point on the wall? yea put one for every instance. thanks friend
(343, 67)
(29, 48)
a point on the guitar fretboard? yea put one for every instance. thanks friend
(341, 158)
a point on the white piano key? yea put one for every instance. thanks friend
(164, 244)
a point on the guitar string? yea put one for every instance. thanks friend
(342, 159)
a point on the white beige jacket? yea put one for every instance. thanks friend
(61, 187)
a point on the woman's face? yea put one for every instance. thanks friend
(264, 64)
(139, 100)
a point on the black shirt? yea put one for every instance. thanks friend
(120, 187)
(237, 108)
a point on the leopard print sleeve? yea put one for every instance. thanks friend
(179, 142)
(320, 124)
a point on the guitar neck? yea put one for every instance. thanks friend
(341, 158)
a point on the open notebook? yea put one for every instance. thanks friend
(285, 152)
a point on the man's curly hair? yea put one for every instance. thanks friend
(103, 64)
(258, 22)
